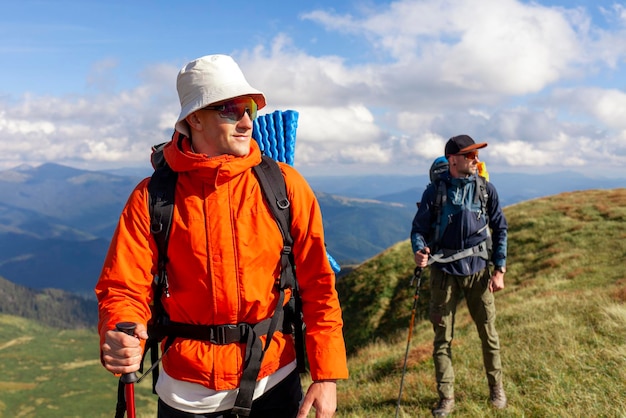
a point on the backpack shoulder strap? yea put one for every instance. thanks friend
(161, 190)
(275, 192)
(481, 194)
(441, 198)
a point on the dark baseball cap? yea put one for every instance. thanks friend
(462, 144)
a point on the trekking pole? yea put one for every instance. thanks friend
(128, 380)
(417, 275)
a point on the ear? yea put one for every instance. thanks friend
(194, 121)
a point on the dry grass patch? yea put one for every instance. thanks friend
(16, 341)
(16, 386)
(79, 364)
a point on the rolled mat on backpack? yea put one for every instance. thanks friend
(276, 135)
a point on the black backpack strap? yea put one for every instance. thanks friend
(441, 198)
(480, 194)
(162, 190)
(274, 190)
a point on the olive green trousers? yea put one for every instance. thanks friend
(446, 292)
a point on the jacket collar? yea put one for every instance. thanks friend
(222, 168)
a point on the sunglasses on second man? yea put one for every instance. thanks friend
(472, 155)
(234, 110)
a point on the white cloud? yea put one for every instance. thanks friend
(334, 135)
(287, 74)
(607, 106)
(504, 46)
(109, 128)
(427, 145)
(23, 127)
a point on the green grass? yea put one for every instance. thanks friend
(561, 320)
(49, 373)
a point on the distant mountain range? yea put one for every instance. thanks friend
(56, 222)
(512, 187)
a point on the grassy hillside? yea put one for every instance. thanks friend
(561, 320)
(52, 307)
(51, 373)
(46, 372)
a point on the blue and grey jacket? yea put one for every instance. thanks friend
(462, 226)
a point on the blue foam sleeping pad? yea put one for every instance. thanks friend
(276, 135)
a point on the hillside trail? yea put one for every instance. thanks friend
(16, 341)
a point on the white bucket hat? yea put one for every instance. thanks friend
(207, 80)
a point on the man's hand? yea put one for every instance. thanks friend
(121, 353)
(322, 396)
(421, 257)
(497, 281)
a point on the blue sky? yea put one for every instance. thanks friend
(380, 85)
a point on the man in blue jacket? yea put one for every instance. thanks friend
(459, 228)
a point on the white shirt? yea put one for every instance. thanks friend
(197, 399)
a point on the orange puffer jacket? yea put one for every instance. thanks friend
(224, 252)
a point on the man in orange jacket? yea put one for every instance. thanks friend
(224, 258)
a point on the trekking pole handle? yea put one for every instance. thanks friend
(417, 273)
(127, 328)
